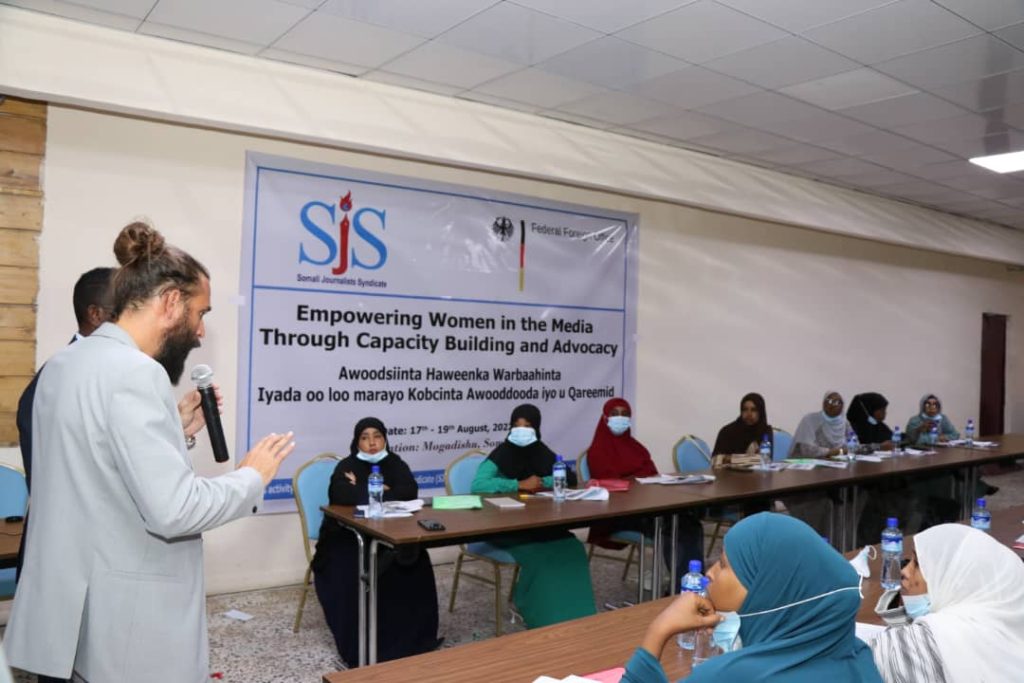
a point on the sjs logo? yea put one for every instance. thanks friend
(335, 240)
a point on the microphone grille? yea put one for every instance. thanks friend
(202, 375)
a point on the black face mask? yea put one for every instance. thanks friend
(178, 343)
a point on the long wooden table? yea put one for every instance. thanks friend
(596, 643)
(644, 501)
(10, 540)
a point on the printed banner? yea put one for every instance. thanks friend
(436, 308)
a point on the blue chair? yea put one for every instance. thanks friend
(310, 485)
(582, 468)
(783, 441)
(13, 501)
(691, 453)
(458, 480)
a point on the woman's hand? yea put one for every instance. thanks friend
(351, 478)
(531, 484)
(688, 612)
(886, 446)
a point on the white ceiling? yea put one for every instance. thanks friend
(889, 97)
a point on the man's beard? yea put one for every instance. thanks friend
(178, 343)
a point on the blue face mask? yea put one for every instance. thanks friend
(872, 421)
(916, 606)
(373, 458)
(832, 420)
(618, 424)
(522, 436)
(724, 635)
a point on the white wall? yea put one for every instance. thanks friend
(727, 305)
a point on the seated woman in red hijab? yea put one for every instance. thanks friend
(615, 454)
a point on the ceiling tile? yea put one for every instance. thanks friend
(573, 118)
(795, 154)
(343, 40)
(612, 63)
(989, 188)
(692, 87)
(876, 179)
(1014, 35)
(607, 16)
(498, 101)
(80, 13)
(908, 159)
(701, 32)
(964, 60)
(998, 143)
(420, 18)
(129, 8)
(411, 83)
(517, 34)
(819, 129)
(257, 21)
(536, 87)
(799, 15)
(761, 108)
(956, 128)
(892, 30)
(951, 169)
(986, 93)
(836, 168)
(617, 107)
(917, 189)
(450, 65)
(848, 89)
(873, 141)
(742, 141)
(150, 28)
(988, 14)
(315, 62)
(898, 111)
(684, 126)
(784, 62)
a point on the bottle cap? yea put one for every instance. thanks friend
(695, 566)
(375, 469)
(981, 502)
(558, 458)
(892, 521)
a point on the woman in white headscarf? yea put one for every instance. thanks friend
(819, 435)
(963, 593)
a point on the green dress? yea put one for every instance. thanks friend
(554, 575)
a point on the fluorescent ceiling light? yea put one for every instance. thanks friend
(1001, 163)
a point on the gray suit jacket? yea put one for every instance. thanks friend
(112, 585)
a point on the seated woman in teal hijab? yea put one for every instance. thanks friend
(797, 600)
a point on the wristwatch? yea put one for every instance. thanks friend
(190, 442)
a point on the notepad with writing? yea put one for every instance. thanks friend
(506, 503)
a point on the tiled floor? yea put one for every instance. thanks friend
(265, 650)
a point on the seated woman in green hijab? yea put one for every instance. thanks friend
(554, 574)
(796, 599)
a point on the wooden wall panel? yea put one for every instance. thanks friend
(22, 149)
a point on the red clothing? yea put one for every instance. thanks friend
(617, 457)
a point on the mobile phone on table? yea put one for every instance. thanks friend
(431, 525)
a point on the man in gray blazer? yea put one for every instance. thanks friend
(113, 583)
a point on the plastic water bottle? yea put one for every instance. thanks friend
(704, 647)
(852, 444)
(969, 434)
(933, 433)
(558, 478)
(375, 489)
(766, 452)
(897, 439)
(892, 554)
(690, 583)
(981, 518)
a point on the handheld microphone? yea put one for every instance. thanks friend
(202, 376)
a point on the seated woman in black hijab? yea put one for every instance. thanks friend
(744, 434)
(866, 415)
(407, 596)
(554, 575)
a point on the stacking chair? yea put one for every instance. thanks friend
(13, 501)
(458, 480)
(783, 440)
(310, 484)
(692, 453)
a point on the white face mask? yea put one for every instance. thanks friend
(618, 424)
(522, 436)
(860, 562)
(372, 458)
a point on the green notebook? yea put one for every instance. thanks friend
(456, 502)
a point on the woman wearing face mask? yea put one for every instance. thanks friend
(407, 597)
(920, 425)
(964, 594)
(820, 434)
(554, 576)
(615, 454)
(791, 600)
(866, 415)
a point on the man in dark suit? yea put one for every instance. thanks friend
(93, 303)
